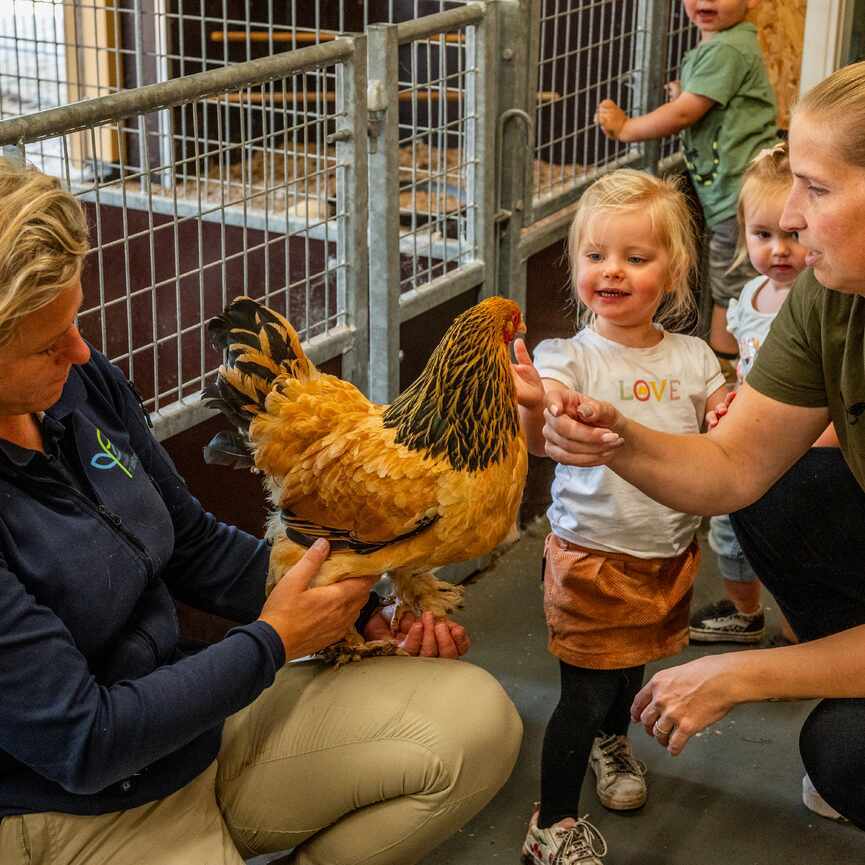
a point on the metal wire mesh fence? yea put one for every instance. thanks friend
(59, 51)
(437, 195)
(257, 188)
(427, 146)
(585, 54)
(240, 193)
(32, 57)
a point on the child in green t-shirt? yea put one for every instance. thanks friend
(724, 111)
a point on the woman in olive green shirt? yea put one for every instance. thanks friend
(806, 534)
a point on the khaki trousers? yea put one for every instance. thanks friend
(374, 763)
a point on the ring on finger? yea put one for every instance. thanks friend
(658, 730)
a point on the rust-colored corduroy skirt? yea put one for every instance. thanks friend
(608, 611)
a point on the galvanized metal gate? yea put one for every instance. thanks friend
(175, 238)
(355, 184)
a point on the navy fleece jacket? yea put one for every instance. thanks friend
(99, 709)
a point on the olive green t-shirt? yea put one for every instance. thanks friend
(728, 69)
(814, 356)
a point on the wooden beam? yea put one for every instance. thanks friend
(92, 69)
(781, 30)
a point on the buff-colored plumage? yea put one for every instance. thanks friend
(434, 478)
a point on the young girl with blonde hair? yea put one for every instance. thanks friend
(619, 567)
(778, 258)
(798, 510)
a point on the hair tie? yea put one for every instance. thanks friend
(766, 152)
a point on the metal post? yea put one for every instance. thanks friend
(533, 65)
(165, 119)
(650, 63)
(384, 272)
(481, 143)
(516, 143)
(352, 203)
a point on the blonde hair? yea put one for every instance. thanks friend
(768, 174)
(630, 191)
(43, 241)
(840, 100)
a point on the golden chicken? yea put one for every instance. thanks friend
(433, 478)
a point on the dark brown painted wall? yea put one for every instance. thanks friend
(547, 292)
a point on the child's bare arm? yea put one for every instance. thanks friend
(684, 111)
(530, 388)
(532, 420)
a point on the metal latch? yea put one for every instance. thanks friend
(376, 106)
(341, 135)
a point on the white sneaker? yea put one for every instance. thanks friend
(577, 844)
(812, 800)
(621, 778)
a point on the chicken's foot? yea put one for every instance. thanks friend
(354, 648)
(420, 592)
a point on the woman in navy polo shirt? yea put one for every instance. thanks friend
(114, 746)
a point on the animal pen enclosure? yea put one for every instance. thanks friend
(356, 165)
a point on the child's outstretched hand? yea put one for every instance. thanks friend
(530, 388)
(713, 418)
(611, 119)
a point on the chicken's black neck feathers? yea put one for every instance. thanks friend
(463, 405)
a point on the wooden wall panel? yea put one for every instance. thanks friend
(781, 24)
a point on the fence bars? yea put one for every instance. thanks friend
(657, 39)
(429, 217)
(245, 212)
(650, 73)
(481, 140)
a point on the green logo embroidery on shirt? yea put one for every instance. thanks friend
(110, 457)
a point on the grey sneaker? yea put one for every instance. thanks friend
(721, 622)
(579, 844)
(812, 800)
(621, 777)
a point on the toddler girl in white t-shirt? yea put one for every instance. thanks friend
(778, 258)
(619, 567)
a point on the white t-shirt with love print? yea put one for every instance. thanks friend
(664, 387)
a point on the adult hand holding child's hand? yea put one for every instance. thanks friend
(579, 430)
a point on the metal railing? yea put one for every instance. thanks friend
(253, 176)
(429, 155)
(276, 213)
(580, 53)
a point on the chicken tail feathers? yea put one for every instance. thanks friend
(305, 533)
(260, 346)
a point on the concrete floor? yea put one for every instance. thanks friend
(733, 797)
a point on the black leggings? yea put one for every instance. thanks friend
(591, 701)
(806, 540)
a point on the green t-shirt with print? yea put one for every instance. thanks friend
(728, 69)
(814, 356)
